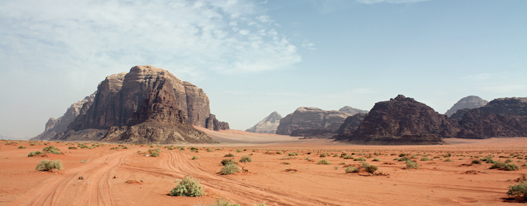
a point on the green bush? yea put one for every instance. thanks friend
(369, 168)
(229, 155)
(22, 147)
(359, 159)
(323, 162)
(411, 165)
(72, 147)
(195, 157)
(51, 149)
(351, 169)
(425, 159)
(246, 159)
(519, 190)
(376, 160)
(222, 202)
(228, 161)
(188, 187)
(477, 162)
(403, 159)
(504, 166)
(230, 169)
(35, 153)
(48, 165)
(447, 160)
(293, 154)
(323, 155)
(82, 146)
(348, 157)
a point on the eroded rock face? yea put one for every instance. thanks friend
(402, 121)
(306, 119)
(350, 125)
(505, 117)
(55, 126)
(268, 125)
(469, 102)
(351, 110)
(150, 103)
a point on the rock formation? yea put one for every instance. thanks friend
(350, 125)
(55, 126)
(505, 117)
(307, 121)
(267, 125)
(146, 105)
(469, 102)
(351, 110)
(402, 121)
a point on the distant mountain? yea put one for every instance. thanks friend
(351, 110)
(504, 117)
(310, 121)
(469, 102)
(55, 126)
(401, 121)
(267, 125)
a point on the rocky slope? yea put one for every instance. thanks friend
(307, 121)
(55, 126)
(469, 102)
(350, 125)
(401, 121)
(147, 104)
(268, 125)
(351, 110)
(505, 117)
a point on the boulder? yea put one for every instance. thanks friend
(268, 125)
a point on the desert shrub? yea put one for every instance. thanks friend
(230, 169)
(51, 149)
(195, 157)
(504, 166)
(478, 162)
(227, 161)
(194, 149)
(369, 168)
(307, 158)
(447, 160)
(292, 154)
(403, 159)
(351, 169)
(359, 159)
(170, 148)
(82, 146)
(519, 190)
(323, 155)
(229, 155)
(411, 165)
(246, 159)
(336, 167)
(238, 150)
(323, 162)
(188, 187)
(348, 157)
(22, 147)
(221, 202)
(35, 153)
(425, 159)
(153, 153)
(343, 154)
(489, 160)
(72, 147)
(524, 164)
(32, 144)
(508, 160)
(376, 160)
(48, 165)
(287, 163)
(403, 155)
(84, 161)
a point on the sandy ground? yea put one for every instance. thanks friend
(106, 172)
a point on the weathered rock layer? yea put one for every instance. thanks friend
(306, 121)
(268, 125)
(469, 102)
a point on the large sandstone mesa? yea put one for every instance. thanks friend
(352, 111)
(311, 121)
(504, 117)
(469, 102)
(146, 105)
(56, 126)
(402, 121)
(268, 125)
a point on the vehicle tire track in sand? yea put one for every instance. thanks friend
(180, 164)
(93, 190)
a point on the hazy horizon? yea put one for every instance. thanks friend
(255, 57)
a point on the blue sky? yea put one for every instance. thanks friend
(256, 57)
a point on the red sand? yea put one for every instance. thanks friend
(106, 172)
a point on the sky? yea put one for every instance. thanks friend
(255, 57)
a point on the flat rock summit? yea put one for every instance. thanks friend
(145, 105)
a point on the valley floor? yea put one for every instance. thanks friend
(126, 177)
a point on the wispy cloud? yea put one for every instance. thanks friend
(309, 45)
(188, 36)
(483, 76)
(389, 1)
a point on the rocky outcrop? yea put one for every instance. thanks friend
(402, 121)
(351, 110)
(505, 117)
(214, 124)
(56, 126)
(268, 125)
(469, 102)
(148, 104)
(306, 120)
(349, 126)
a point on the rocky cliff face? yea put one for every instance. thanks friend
(469, 102)
(351, 110)
(148, 104)
(402, 121)
(505, 117)
(349, 126)
(267, 125)
(55, 126)
(306, 120)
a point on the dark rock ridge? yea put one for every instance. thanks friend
(469, 102)
(146, 105)
(351, 110)
(55, 126)
(306, 121)
(504, 117)
(268, 125)
(350, 125)
(401, 121)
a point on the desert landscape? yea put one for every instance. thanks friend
(283, 171)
